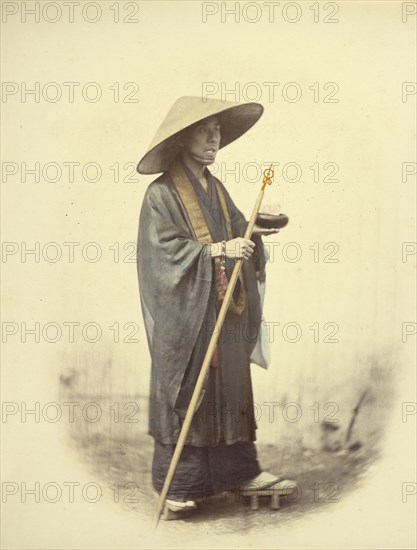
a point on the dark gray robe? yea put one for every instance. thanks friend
(176, 282)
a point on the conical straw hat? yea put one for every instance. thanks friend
(234, 119)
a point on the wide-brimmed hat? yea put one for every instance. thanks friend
(234, 119)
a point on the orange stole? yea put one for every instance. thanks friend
(201, 232)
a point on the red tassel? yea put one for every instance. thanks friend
(215, 359)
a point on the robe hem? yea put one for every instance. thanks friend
(193, 443)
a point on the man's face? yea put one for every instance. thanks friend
(201, 141)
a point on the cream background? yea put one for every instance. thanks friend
(369, 213)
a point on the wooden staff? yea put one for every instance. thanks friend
(267, 179)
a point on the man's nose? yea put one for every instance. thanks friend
(213, 135)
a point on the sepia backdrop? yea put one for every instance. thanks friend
(84, 90)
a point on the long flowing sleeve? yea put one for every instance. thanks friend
(175, 278)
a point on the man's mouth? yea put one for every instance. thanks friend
(211, 150)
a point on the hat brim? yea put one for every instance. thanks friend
(234, 122)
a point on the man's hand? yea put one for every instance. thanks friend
(263, 231)
(235, 248)
(241, 247)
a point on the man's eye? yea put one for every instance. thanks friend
(205, 129)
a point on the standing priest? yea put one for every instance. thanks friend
(190, 233)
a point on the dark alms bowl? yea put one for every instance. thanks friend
(272, 221)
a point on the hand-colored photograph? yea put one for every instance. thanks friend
(208, 275)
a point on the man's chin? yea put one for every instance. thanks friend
(205, 161)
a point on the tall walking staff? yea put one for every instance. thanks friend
(267, 179)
